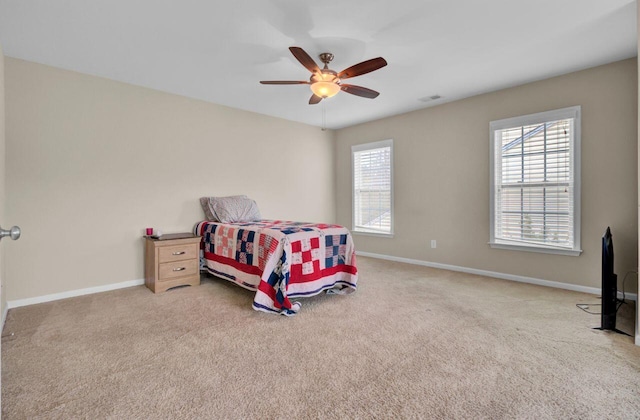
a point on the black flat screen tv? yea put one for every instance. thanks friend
(609, 284)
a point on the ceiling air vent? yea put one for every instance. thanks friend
(430, 98)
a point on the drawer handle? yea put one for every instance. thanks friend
(179, 269)
(179, 253)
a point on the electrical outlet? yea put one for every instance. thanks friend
(433, 243)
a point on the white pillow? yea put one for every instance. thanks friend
(237, 208)
(208, 204)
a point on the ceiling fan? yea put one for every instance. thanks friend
(325, 82)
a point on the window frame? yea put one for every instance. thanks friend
(360, 148)
(574, 113)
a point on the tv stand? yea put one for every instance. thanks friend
(612, 329)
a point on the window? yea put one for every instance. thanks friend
(372, 174)
(535, 182)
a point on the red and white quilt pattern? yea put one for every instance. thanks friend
(280, 259)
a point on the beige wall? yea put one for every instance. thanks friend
(92, 162)
(441, 158)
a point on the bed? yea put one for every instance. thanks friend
(280, 260)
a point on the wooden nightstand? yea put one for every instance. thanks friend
(171, 260)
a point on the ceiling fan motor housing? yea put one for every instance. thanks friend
(326, 75)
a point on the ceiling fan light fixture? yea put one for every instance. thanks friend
(325, 89)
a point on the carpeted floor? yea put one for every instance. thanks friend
(412, 342)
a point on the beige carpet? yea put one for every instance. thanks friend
(412, 342)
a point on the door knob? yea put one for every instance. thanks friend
(14, 232)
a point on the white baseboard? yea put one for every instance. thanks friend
(4, 316)
(503, 276)
(522, 279)
(71, 293)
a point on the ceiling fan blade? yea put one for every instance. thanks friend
(314, 99)
(283, 82)
(359, 91)
(363, 68)
(305, 59)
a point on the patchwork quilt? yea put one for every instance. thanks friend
(280, 260)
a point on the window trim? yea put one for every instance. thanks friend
(359, 148)
(573, 112)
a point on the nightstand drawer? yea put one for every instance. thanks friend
(178, 252)
(175, 269)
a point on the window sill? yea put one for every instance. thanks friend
(364, 233)
(556, 251)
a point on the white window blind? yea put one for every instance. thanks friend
(535, 182)
(372, 166)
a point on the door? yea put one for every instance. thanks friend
(3, 302)
(14, 232)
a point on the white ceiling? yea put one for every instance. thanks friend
(217, 51)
